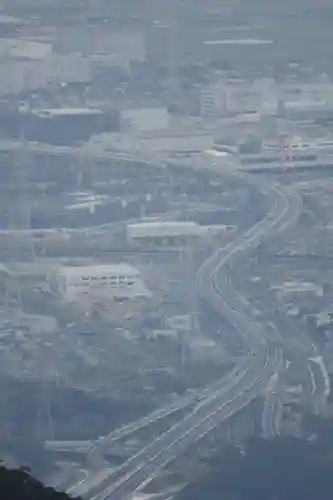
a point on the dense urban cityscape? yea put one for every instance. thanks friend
(166, 238)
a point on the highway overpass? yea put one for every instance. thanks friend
(265, 354)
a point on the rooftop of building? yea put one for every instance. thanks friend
(164, 228)
(121, 268)
(24, 49)
(55, 112)
(239, 41)
(295, 286)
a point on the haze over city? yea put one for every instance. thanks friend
(166, 245)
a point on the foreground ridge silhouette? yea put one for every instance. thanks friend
(19, 484)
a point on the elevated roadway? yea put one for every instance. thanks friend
(8, 146)
(272, 411)
(246, 382)
(272, 415)
(302, 354)
(104, 443)
(264, 360)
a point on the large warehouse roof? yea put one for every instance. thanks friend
(56, 112)
(163, 229)
(96, 269)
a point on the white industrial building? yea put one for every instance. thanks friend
(30, 65)
(144, 119)
(295, 291)
(296, 148)
(17, 48)
(22, 65)
(239, 96)
(213, 101)
(68, 68)
(307, 92)
(164, 233)
(106, 47)
(21, 75)
(23, 324)
(120, 281)
(154, 142)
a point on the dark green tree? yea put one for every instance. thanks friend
(282, 468)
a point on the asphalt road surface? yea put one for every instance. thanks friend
(264, 360)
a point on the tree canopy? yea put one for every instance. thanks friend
(282, 468)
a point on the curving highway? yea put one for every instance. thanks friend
(272, 415)
(103, 444)
(272, 411)
(265, 358)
